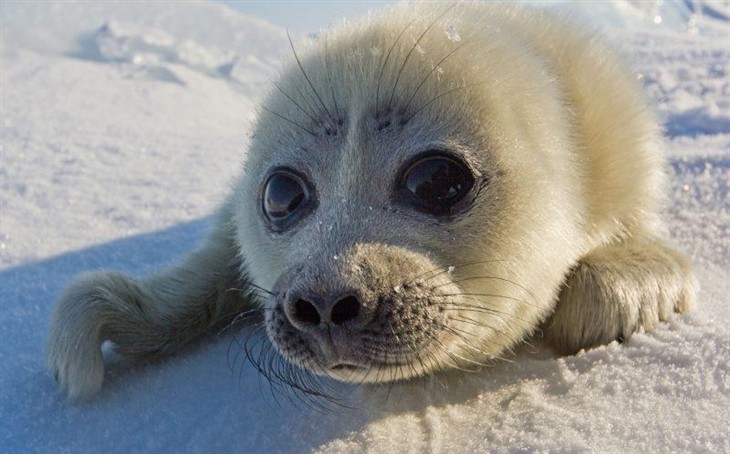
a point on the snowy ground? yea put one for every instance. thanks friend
(122, 125)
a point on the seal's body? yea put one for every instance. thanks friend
(423, 190)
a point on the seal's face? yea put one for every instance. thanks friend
(393, 209)
(366, 302)
(364, 292)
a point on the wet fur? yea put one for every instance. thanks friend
(564, 233)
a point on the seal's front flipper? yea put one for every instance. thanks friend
(145, 319)
(617, 290)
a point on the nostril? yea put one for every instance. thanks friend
(345, 310)
(306, 313)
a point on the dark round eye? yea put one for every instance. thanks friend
(285, 194)
(435, 184)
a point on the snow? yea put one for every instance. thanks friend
(121, 127)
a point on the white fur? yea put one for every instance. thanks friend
(540, 107)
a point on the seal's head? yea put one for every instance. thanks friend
(407, 198)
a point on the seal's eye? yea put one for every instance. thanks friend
(435, 184)
(284, 198)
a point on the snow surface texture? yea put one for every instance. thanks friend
(122, 125)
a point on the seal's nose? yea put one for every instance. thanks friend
(345, 309)
(305, 313)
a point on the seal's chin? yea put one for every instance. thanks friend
(346, 371)
(346, 367)
(372, 372)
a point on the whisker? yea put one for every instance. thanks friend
(385, 62)
(423, 81)
(461, 335)
(253, 313)
(314, 90)
(495, 278)
(305, 100)
(455, 363)
(408, 56)
(235, 340)
(483, 310)
(329, 78)
(435, 98)
(251, 284)
(250, 287)
(447, 268)
(488, 295)
(288, 120)
(298, 385)
(311, 117)
(462, 318)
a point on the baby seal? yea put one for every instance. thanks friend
(423, 190)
